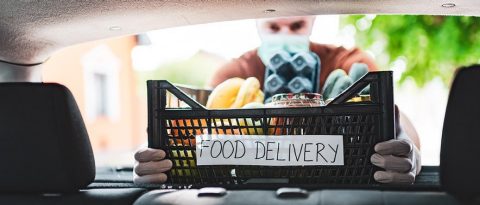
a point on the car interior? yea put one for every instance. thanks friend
(47, 154)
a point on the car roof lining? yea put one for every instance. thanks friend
(30, 31)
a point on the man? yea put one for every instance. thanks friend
(400, 157)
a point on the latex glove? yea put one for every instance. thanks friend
(357, 71)
(150, 165)
(399, 157)
(338, 80)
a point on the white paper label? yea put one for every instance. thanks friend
(268, 150)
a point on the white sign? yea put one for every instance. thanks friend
(273, 150)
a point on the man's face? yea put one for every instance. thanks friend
(299, 25)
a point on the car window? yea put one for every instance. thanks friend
(107, 77)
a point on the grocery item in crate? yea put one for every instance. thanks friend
(281, 125)
(232, 93)
(291, 73)
(184, 158)
(247, 126)
(239, 127)
(235, 93)
(253, 105)
(297, 100)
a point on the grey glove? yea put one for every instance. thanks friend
(338, 80)
(400, 158)
(150, 165)
(357, 71)
(335, 84)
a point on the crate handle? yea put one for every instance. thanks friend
(164, 86)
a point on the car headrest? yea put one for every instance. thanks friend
(459, 167)
(44, 146)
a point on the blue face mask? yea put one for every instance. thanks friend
(272, 43)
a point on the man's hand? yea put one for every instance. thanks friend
(150, 165)
(338, 80)
(399, 157)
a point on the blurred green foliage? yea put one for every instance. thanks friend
(432, 46)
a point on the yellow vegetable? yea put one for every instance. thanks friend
(188, 164)
(254, 126)
(254, 105)
(235, 93)
(225, 94)
(259, 97)
(247, 93)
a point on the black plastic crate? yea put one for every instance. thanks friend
(362, 124)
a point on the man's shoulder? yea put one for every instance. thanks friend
(318, 48)
(330, 48)
(341, 57)
(251, 54)
(249, 59)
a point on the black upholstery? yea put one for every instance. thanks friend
(330, 197)
(84, 197)
(44, 146)
(460, 152)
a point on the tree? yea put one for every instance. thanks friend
(432, 46)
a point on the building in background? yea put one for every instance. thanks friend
(102, 79)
